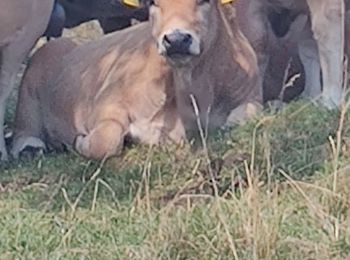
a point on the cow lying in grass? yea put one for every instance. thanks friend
(22, 22)
(139, 82)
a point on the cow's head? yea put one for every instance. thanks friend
(184, 29)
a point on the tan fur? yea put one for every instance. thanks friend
(328, 27)
(22, 23)
(119, 85)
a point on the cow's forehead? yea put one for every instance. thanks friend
(137, 3)
(190, 3)
(177, 3)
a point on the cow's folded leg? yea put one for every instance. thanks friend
(243, 113)
(103, 141)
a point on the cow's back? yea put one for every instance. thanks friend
(45, 64)
(14, 15)
(92, 75)
(88, 65)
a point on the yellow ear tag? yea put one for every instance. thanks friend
(226, 1)
(132, 3)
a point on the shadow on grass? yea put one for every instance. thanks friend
(295, 141)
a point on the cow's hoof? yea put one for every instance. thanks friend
(27, 147)
(330, 102)
(30, 153)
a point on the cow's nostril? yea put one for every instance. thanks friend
(187, 38)
(166, 41)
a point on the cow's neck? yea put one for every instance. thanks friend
(194, 82)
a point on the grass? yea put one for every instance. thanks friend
(279, 197)
(277, 188)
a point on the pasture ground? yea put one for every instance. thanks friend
(277, 187)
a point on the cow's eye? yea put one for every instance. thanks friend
(202, 2)
(153, 3)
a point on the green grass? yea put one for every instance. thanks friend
(279, 197)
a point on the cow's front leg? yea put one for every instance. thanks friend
(243, 113)
(103, 141)
(308, 52)
(9, 69)
(327, 18)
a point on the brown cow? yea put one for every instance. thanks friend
(138, 82)
(22, 23)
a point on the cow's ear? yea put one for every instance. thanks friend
(226, 1)
(132, 3)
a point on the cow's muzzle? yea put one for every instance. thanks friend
(179, 44)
